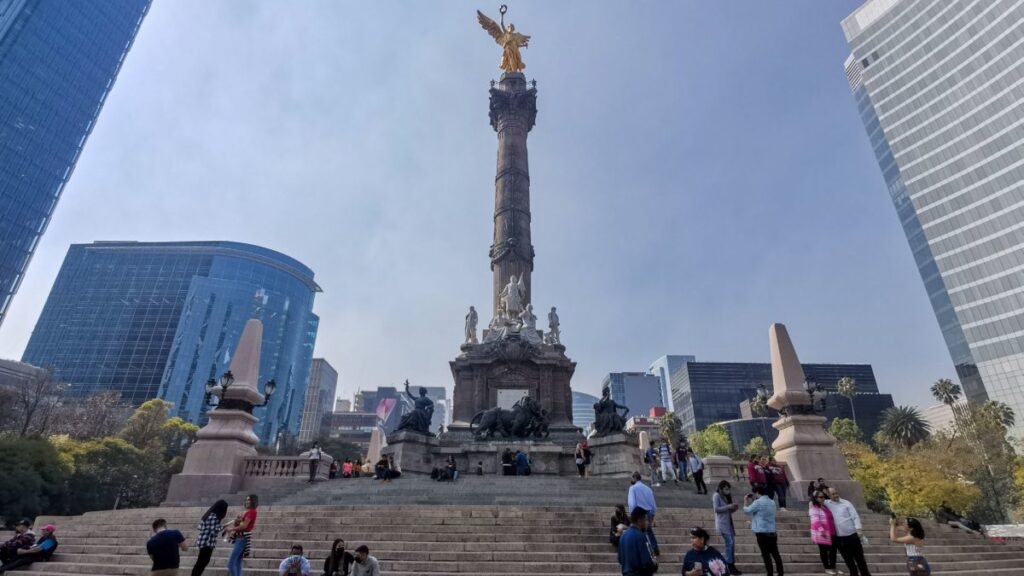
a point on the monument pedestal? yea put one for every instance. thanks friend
(804, 445)
(491, 373)
(615, 456)
(213, 465)
(414, 453)
(810, 453)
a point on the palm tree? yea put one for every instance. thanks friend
(759, 407)
(946, 391)
(670, 428)
(847, 388)
(903, 426)
(998, 412)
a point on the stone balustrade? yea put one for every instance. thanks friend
(262, 471)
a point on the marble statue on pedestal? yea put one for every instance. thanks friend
(471, 320)
(554, 335)
(607, 419)
(512, 297)
(418, 420)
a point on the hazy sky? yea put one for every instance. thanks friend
(698, 172)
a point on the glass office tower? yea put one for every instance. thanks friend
(58, 61)
(664, 368)
(583, 409)
(323, 385)
(158, 319)
(939, 85)
(637, 390)
(709, 392)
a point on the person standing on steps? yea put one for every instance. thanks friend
(761, 509)
(722, 502)
(667, 468)
(638, 547)
(769, 480)
(681, 464)
(239, 533)
(641, 496)
(697, 469)
(781, 481)
(823, 529)
(507, 460)
(164, 548)
(849, 533)
(912, 541)
(339, 561)
(581, 458)
(208, 531)
(314, 461)
(365, 565)
(653, 463)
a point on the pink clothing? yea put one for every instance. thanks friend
(822, 524)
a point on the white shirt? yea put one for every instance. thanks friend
(845, 515)
(286, 565)
(314, 454)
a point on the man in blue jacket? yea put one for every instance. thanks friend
(637, 547)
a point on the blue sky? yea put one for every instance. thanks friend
(698, 172)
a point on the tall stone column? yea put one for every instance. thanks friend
(513, 112)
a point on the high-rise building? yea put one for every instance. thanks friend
(354, 427)
(664, 368)
(343, 405)
(58, 61)
(636, 390)
(939, 85)
(323, 384)
(583, 409)
(158, 319)
(710, 392)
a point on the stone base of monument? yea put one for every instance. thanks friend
(810, 452)
(414, 453)
(546, 458)
(615, 455)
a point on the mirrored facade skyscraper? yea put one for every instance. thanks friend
(58, 61)
(159, 319)
(939, 85)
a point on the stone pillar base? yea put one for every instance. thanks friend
(614, 456)
(810, 453)
(414, 453)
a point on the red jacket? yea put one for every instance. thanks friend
(755, 473)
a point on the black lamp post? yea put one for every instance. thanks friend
(226, 380)
(816, 394)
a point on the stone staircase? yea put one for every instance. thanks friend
(417, 527)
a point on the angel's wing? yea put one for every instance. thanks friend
(490, 25)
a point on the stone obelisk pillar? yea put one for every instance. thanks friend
(807, 449)
(213, 465)
(513, 111)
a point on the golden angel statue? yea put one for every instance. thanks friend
(506, 37)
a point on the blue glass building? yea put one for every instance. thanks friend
(664, 368)
(159, 319)
(639, 391)
(58, 61)
(583, 409)
(709, 392)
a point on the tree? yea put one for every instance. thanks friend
(998, 413)
(946, 391)
(869, 470)
(847, 388)
(98, 415)
(903, 426)
(35, 402)
(713, 440)
(759, 408)
(111, 470)
(846, 430)
(757, 447)
(671, 429)
(32, 481)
